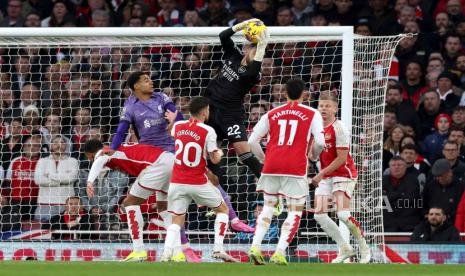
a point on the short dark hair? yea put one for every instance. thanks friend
(395, 87)
(197, 105)
(409, 147)
(134, 78)
(295, 88)
(456, 128)
(397, 158)
(92, 146)
(390, 109)
(450, 143)
(439, 208)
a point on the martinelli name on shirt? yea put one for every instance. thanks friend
(289, 112)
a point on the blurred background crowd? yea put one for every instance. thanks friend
(53, 99)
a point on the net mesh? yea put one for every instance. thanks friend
(58, 92)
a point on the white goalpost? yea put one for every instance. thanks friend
(71, 82)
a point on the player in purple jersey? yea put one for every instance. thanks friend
(151, 114)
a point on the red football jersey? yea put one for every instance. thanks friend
(337, 137)
(290, 127)
(193, 141)
(21, 175)
(130, 159)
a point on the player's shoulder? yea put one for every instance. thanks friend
(339, 126)
(206, 127)
(160, 94)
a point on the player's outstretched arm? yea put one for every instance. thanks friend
(97, 167)
(227, 43)
(120, 134)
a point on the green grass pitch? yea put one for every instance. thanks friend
(31, 268)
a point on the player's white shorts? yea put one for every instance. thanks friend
(330, 185)
(181, 195)
(155, 178)
(288, 186)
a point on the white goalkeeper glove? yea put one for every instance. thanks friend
(243, 24)
(261, 45)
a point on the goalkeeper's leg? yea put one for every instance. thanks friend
(245, 155)
(343, 214)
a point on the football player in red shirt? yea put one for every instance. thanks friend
(336, 182)
(284, 173)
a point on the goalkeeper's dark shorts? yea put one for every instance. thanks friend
(228, 125)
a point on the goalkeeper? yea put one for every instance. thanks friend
(237, 75)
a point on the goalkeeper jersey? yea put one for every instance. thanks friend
(233, 81)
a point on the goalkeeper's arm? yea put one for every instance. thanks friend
(227, 43)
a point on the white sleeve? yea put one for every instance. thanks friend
(342, 135)
(9, 172)
(260, 130)
(211, 141)
(173, 129)
(97, 167)
(41, 177)
(2, 174)
(317, 132)
(462, 100)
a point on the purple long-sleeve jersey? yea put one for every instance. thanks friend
(148, 119)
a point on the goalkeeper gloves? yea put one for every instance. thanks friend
(242, 25)
(261, 45)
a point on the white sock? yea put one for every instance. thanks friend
(166, 217)
(221, 225)
(262, 225)
(330, 227)
(352, 224)
(136, 225)
(288, 230)
(172, 240)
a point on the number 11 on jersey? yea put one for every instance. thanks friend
(283, 130)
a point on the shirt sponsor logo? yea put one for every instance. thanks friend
(147, 124)
(241, 69)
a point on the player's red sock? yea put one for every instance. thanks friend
(288, 230)
(135, 224)
(221, 226)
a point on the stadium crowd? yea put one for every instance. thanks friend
(52, 100)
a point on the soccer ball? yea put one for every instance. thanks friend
(253, 30)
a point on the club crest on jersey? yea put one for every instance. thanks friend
(241, 69)
(327, 136)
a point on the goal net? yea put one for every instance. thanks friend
(59, 90)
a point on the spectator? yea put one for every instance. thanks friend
(192, 19)
(452, 49)
(273, 231)
(80, 130)
(454, 10)
(263, 11)
(390, 120)
(151, 21)
(405, 112)
(413, 83)
(442, 24)
(363, 28)
(11, 145)
(53, 127)
(13, 18)
(379, 16)
(301, 11)
(135, 22)
(444, 190)
(169, 15)
(460, 69)
(451, 152)
(32, 19)
(402, 191)
(20, 178)
(31, 120)
(55, 175)
(284, 16)
(101, 18)
(429, 110)
(74, 217)
(435, 64)
(241, 13)
(41, 7)
(345, 12)
(216, 13)
(456, 135)
(434, 142)
(10, 219)
(436, 228)
(447, 95)
(409, 153)
(256, 111)
(392, 143)
(60, 15)
(87, 15)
